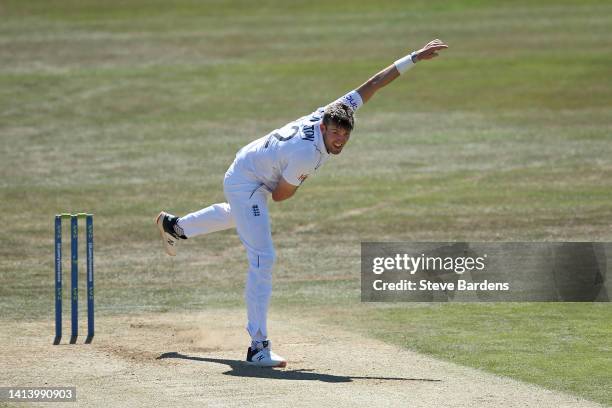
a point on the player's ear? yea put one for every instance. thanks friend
(323, 127)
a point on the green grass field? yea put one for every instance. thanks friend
(123, 110)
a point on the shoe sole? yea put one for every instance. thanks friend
(170, 250)
(282, 364)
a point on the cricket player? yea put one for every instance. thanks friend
(276, 165)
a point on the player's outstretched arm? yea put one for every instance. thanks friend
(387, 75)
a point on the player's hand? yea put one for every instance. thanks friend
(430, 49)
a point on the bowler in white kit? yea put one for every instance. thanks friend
(276, 165)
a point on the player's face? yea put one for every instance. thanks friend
(334, 137)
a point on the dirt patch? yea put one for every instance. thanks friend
(196, 359)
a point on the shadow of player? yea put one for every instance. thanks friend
(241, 369)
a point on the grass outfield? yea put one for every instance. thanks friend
(122, 110)
(559, 346)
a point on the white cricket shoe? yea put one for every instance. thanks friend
(263, 356)
(167, 226)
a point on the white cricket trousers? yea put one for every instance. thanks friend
(246, 210)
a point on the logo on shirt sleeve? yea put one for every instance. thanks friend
(351, 101)
(302, 178)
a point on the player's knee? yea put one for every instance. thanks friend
(262, 261)
(266, 262)
(223, 207)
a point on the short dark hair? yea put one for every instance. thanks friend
(340, 115)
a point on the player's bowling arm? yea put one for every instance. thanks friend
(372, 85)
(284, 190)
(389, 74)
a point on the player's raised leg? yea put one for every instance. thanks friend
(216, 217)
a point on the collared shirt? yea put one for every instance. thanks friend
(293, 152)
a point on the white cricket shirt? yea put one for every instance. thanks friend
(292, 152)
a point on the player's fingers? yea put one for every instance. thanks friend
(433, 49)
(438, 47)
(438, 43)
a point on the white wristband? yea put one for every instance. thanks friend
(405, 63)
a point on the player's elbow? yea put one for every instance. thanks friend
(366, 91)
(280, 196)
